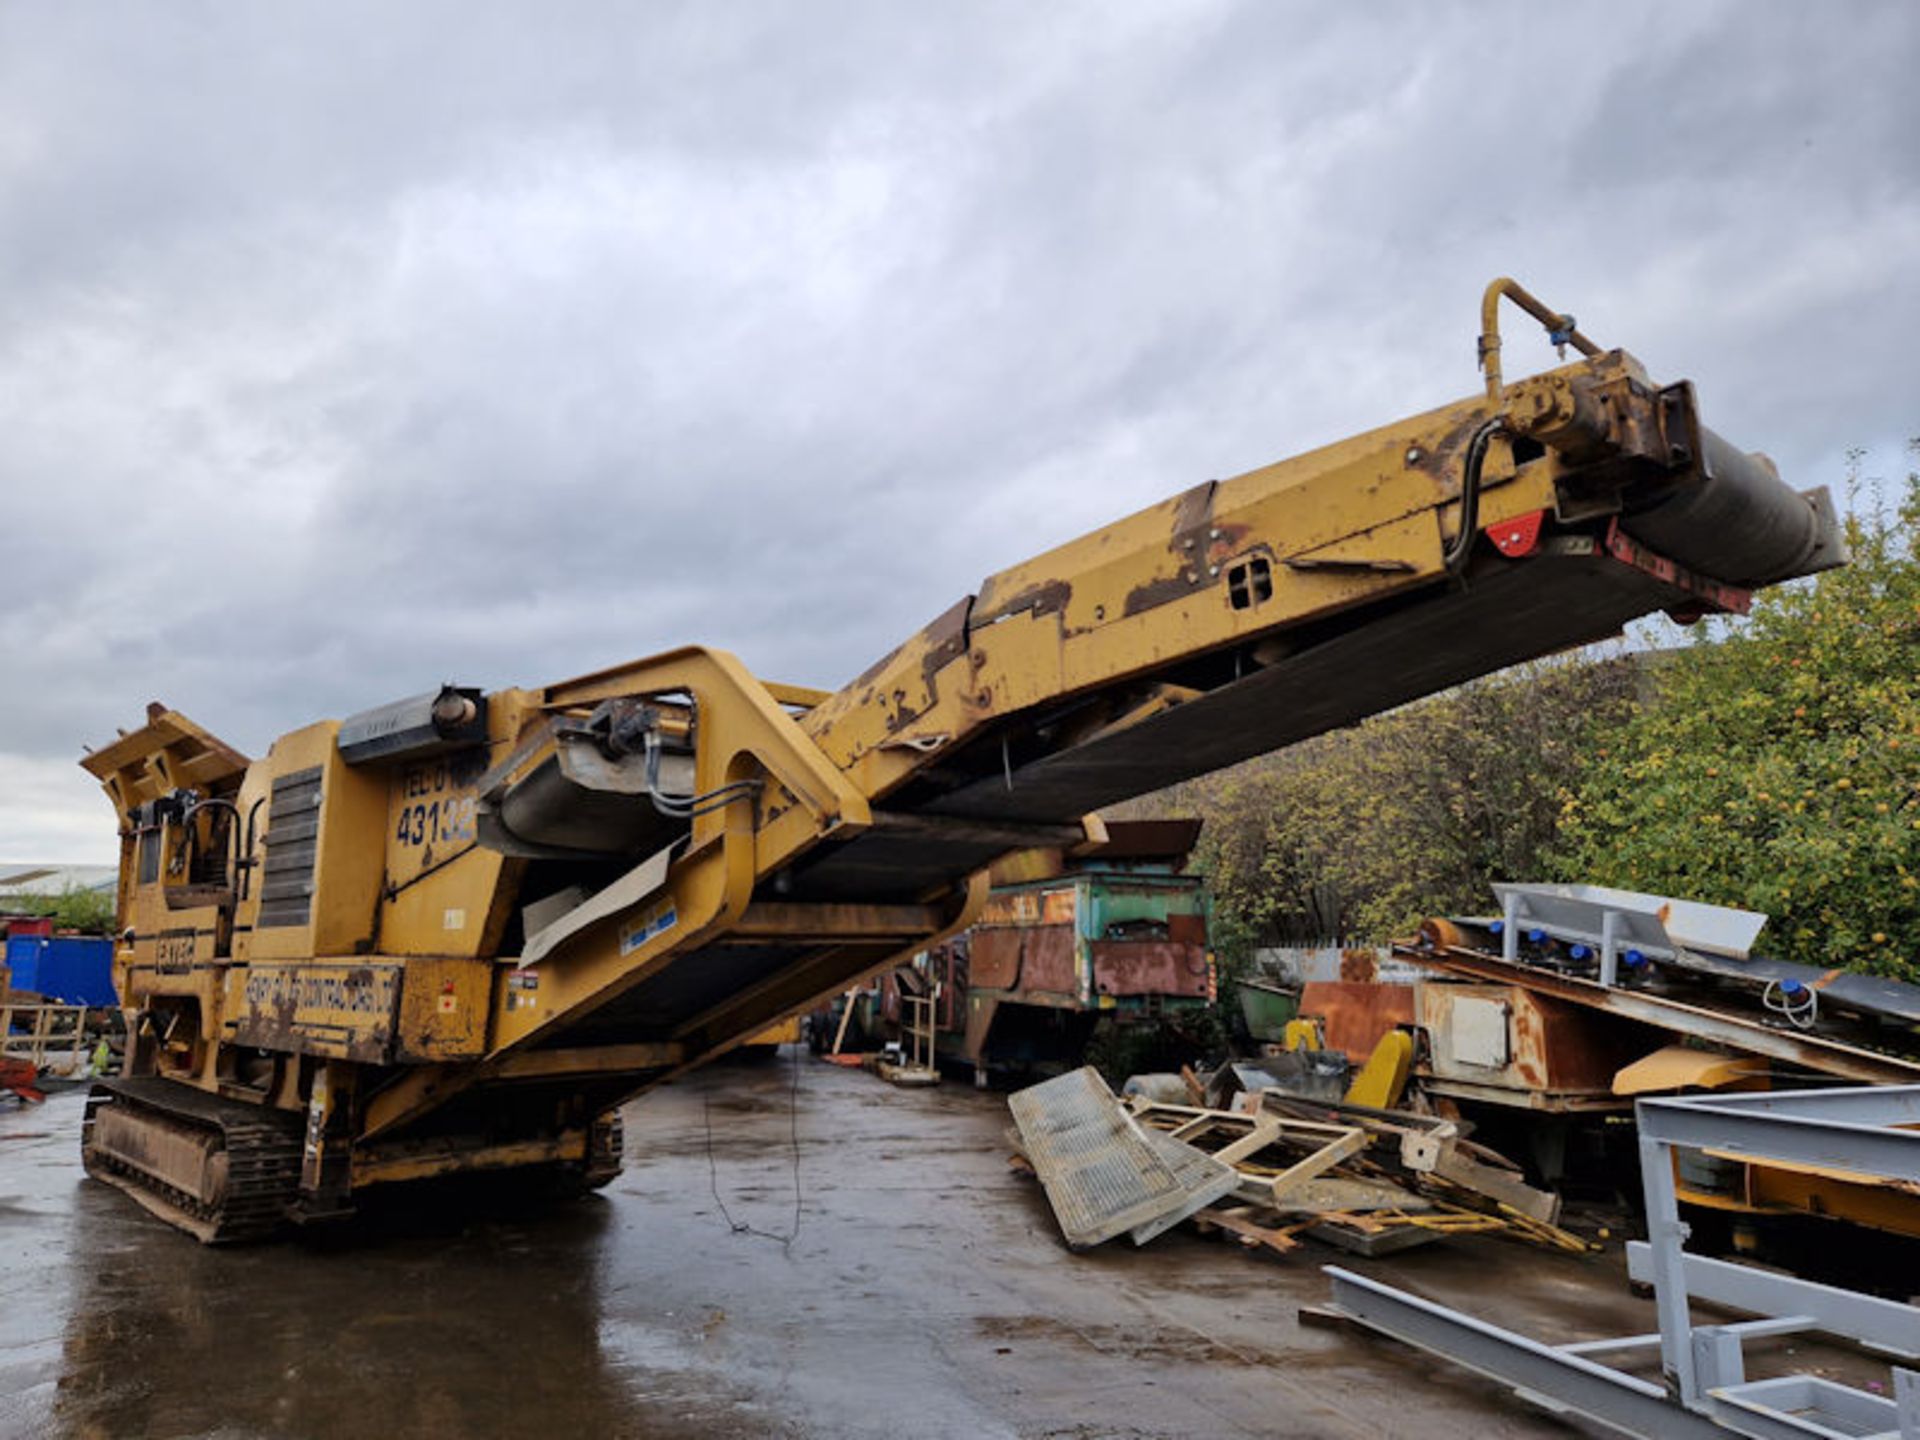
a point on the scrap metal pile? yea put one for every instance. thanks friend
(46, 1039)
(1270, 1172)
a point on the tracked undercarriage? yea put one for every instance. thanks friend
(219, 1169)
(227, 1171)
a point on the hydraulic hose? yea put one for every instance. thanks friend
(1461, 545)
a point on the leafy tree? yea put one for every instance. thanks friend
(1361, 833)
(1777, 766)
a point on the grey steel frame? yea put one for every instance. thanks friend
(1706, 1391)
(1611, 919)
(1888, 1326)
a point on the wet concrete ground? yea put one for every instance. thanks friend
(926, 1294)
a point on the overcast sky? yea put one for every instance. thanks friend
(346, 349)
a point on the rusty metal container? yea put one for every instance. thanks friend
(1509, 1046)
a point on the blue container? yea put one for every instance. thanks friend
(70, 969)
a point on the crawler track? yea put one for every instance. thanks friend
(250, 1157)
(606, 1143)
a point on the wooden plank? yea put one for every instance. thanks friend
(846, 1014)
(1236, 1223)
(1371, 1240)
(1501, 1186)
(1195, 1090)
(1327, 1194)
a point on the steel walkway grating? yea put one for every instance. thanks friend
(1103, 1174)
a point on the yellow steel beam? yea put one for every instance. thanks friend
(786, 923)
(963, 914)
(458, 1155)
(775, 996)
(745, 735)
(417, 1090)
(803, 984)
(801, 697)
(588, 1060)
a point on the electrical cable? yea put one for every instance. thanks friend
(433, 869)
(688, 807)
(740, 1227)
(1797, 1003)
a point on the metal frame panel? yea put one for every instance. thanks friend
(1657, 920)
(1884, 1325)
(1851, 1130)
(1785, 1407)
(1595, 1392)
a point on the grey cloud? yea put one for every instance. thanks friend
(345, 349)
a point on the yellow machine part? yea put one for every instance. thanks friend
(1808, 1190)
(1751, 1188)
(1681, 1067)
(1383, 1078)
(784, 1032)
(1301, 1034)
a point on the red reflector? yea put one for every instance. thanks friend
(1517, 536)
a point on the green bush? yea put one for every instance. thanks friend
(1777, 767)
(91, 912)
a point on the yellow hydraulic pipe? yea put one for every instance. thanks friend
(1561, 328)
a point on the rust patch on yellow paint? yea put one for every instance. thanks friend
(1191, 545)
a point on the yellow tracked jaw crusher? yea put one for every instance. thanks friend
(455, 933)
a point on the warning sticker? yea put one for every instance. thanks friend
(655, 921)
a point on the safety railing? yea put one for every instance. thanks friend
(53, 1038)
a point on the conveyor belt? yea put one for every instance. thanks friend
(1502, 613)
(1687, 1017)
